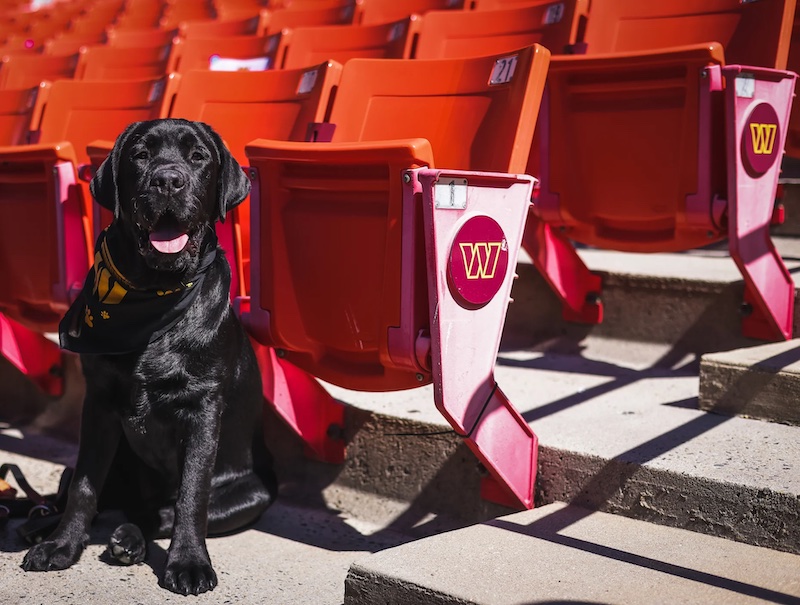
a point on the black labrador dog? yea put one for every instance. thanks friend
(171, 427)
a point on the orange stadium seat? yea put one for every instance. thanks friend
(45, 251)
(245, 26)
(26, 71)
(237, 9)
(280, 19)
(242, 105)
(140, 14)
(178, 11)
(494, 5)
(69, 43)
(471, 33)
(650, 143)
(310, 45)
(96, 20)
(384, 11)
(245, 105)
(16, 112)
(793, 64)
(120, 63)
(139, 38)
(198, 53)
(353, 277)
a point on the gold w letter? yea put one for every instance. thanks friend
(763, 136)
(480, 258)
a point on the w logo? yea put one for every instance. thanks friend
(761, 140)
(480, 258)
(763, 137)
(477, 266)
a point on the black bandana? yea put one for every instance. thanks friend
(111, 315)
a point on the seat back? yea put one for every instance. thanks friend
(464, 111)
(632, 134)
(340, 270)
(288, 18)
(45, 250)
(371, 12)
(140, 15)
(16, 111)
(137, 38)
(245, 26)
(751, 33)
(176, 13)
(118, 63)
(312, 45)
(26, 71)
(197, 53)
(793, 64)
(82, 111)
(631, 123)
(70, 43)
(472, 33)
(241, 106)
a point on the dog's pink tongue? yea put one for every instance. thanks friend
(168, 241)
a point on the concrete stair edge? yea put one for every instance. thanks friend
(560, 554)
(761, 382)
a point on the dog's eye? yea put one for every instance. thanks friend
(198, 156)
(141, 155)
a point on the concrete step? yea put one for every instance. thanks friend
(758, 382)
(297, 554)
(614, 437)
(690, 303)
(565, 554)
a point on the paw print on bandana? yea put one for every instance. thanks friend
(104, 314)
(88, 317)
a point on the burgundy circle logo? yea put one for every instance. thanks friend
(478, 261)
(761, 139)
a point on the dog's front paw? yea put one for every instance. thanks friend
(50, 556)
(127, 545)
(189, 575)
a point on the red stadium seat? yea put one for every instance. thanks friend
(654, 145)
(793, 64)
(140, 15)
(376, 270)
(179, 11)
(244, 26)
(27, 71)
(16, 112)
(69, 43)
(371, 12)
(120, 63)
(471, 33)
(46, 248)
(198, 53)
(310, 45)
(138, 38)
(274, 104)
(287, 18)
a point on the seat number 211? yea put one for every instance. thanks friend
(503, 70)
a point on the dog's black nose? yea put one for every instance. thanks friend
(168, 180)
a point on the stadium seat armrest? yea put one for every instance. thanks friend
(98, 151)
(55, 152)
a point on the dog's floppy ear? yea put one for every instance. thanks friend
(232, 184)
(104, 183)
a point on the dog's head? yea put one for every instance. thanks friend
(167, 182)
